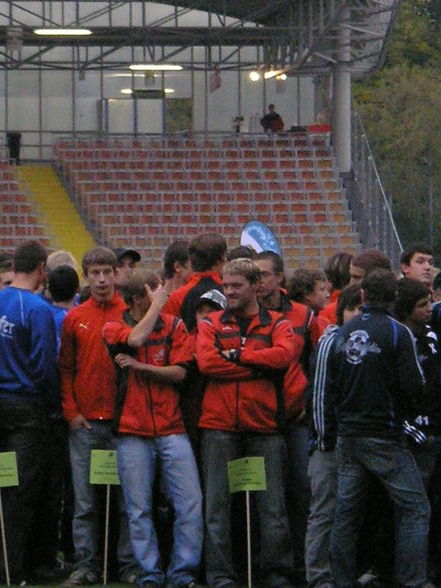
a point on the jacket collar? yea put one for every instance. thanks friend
(129, 320)
(285, 302)
(116, 300)
(263, 316)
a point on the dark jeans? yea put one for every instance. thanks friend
(393, 464)
(23, 429)
(299, 492)
(45, 541)
(218, 448)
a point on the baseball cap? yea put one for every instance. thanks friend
(121, 252)
(213, 297)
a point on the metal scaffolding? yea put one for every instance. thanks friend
(296, 36)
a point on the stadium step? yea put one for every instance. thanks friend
(55, 209)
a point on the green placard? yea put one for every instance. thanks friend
(103, 467)
(247, 474)
(8, 469)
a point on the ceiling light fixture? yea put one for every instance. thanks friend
(254, 76)
(155, 67)
(126, 91)
(63, 32)
(169, 90)
(272, 73)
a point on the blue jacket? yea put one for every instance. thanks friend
(374, 379)
(28, 348)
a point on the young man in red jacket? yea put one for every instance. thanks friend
(154, 349)
(207, 256)
(306, 334)
(88, 386)
(244, 351)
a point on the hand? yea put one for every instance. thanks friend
(124, 360)
(157, 297)
(231, 354)
(79, 422)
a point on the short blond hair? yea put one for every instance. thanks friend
(61, 257)
(245, 267)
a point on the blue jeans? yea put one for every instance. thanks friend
(218, 448)
(322, 471)
(85, 525)
(393, 464)
(137, 457)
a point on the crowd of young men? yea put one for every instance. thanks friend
(332, 378)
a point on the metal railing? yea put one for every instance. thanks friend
(368, 201)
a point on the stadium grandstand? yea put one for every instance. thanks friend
(136, 122)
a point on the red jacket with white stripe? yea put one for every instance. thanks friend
(242, 395)
(150, 408)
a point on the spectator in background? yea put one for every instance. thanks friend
(416, 262)
(337, 273)
(56, 494)
(28, 387)
(88, 384)
(6, 271)
(241, 251)
(322, 466)
(436, 288)
(61, 257)
(272, 121)
(309, 287)
(272, 296)
(177, 265)
(362, 265)
(207, 255)
(126, 263)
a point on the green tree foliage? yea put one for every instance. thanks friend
(401, 109)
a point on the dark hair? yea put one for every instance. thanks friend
(302, 283)
(408, 293)
(28, 256)
(136, 282)
(241, 251)
(337, 269)
(84, 294)
(176, 251)
(276, 260)
(350, 297)
(437, 281)
(207, 250)
(7, 265)
(380, 288)
(98, 256)
(409, 252)
(63, 283)
(370, 260)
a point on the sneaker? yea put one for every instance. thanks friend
(129, 577)
(82, 577)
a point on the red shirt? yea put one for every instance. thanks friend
(330, 310)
